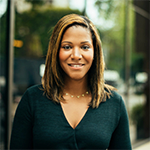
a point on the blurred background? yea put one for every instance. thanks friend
(123, 25)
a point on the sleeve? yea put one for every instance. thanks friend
(121, 136)
(21, 136)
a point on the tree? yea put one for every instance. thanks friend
(34, 29)
(105, 7)
(113, 38)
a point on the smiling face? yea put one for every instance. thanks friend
(76, 52)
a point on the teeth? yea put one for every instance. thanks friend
(76, 65)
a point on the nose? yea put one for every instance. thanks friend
(76, 54)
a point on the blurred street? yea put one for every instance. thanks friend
(130, 101)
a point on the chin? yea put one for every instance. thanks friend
(77, 77)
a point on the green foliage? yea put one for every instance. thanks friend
(36, 2)
(34, 28)
(137, 114)
(105, 7)
(113, 38)
(137, 63)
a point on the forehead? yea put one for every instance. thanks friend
(78, 26)
(77, 30)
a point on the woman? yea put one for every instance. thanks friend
(73, 108)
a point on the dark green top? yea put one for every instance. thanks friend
(40, 123)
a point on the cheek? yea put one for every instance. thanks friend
(89, 57)
(62, 56)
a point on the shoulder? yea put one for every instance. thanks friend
(33, 93)
(112, 94)
(35, 90)
(34, 98)
(115, 97)
(29, 98)
(115, 100)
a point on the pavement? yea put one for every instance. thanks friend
(143, 145)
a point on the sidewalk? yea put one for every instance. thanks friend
(144, 145)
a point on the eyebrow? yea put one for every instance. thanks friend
(71, 42)
(85, 42)
(66, 42)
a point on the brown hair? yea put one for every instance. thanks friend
(52, 80)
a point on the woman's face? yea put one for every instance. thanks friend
(76, 52)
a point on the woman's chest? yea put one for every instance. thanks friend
(51, 129)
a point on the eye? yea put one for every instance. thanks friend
(85, 47)
(67, 47)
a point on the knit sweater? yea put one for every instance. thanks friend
(39, 123)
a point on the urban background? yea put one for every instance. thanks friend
(124, 28)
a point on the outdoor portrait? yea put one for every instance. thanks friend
(74, 74)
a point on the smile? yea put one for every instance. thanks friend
(76, 65)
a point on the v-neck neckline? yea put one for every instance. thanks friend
(66, 120)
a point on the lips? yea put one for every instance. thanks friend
(76, 65)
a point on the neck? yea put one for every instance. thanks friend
(76, 87)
